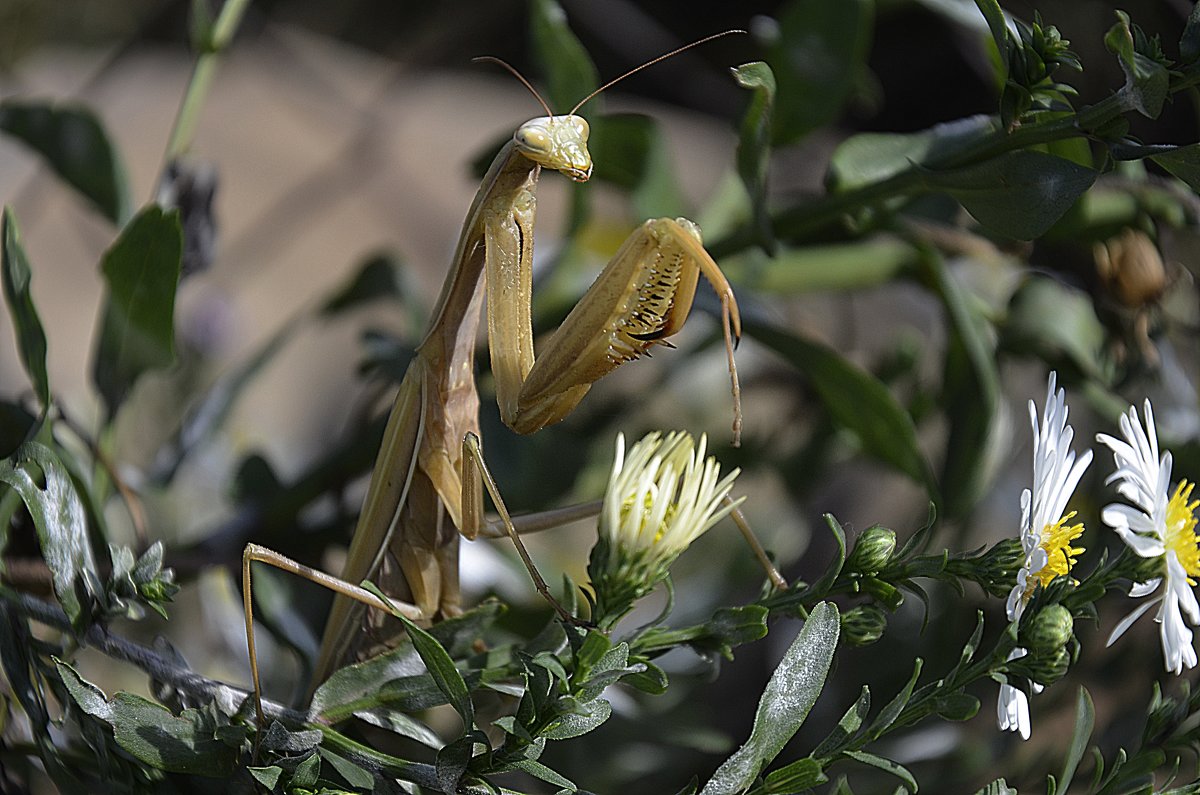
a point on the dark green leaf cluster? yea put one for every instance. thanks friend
(1033, 53)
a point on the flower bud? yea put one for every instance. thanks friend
(863, 625)
(873, 550)
(1046, 668)
(1131, 268)
(998, 567)
(1049, 630)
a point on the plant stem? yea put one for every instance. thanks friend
(202, 76)
(229, 699)
(810, 216)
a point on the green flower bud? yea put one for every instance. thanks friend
(873, 550)
(1049, 630)
(863, 625)
(1045, 669)
(997, 570)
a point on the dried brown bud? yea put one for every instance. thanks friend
(1131, 268)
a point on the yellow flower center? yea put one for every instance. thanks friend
(1180, 536)
(1060, 555)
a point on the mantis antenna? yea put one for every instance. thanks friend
(513, 70)
(651, 62)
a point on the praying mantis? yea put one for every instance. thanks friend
(427, 484)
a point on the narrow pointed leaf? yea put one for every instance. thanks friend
(855, 399)
(818, 60)
(441, 668)
(1085, 718)
(886, 765)
(31, 338)
(754, 144)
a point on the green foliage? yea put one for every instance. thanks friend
(73, 143)
(137, 326)
(16, 276)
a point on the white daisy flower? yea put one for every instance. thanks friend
(1046, 535)
(1156, 526)
(660, 498)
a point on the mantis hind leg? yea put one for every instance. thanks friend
(255, 553)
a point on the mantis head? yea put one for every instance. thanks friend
(557, 142)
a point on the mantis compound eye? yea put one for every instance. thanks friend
(532, 138)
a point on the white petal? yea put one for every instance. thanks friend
(1128, 620)
(1140, 589)
(1176, 637)
(1141, 545)
(1121, 515)
(1012, 711)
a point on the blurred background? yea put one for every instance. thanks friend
(338, 135)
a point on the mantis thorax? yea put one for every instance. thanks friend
(557, 142)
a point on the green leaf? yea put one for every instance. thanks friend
(1189, 42)
(307, 773)
(957, 706)
(652, 680)
(1182, 162)
(540, 771)
(184, 744)
(1018, 194)
(355, 776)
(785, 703)
(74, 144)
(278, 739)
(835, 266)
(970, 392)
(267, 776)
(1146, 81)
(378, 277)
(31, 338)
(887, 716)
(90, 698)
(847, 726)
(998, 27)
(61, 523)
(398, 722)
(564, 61)
(574, 724)
(868, 158)
(137, 331)
(1085, 719)
(1056, 323)
(801, 775)
(886, 765)
(835, 567)
(351, 683)
(855, 399)
(818, 59)
(754, 144)
(441, 668)
(997, 787)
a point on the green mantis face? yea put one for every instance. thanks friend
(557, 142)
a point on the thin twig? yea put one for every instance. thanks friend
(228, 698)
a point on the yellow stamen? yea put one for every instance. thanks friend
(1056, 541)
(1180, 536)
